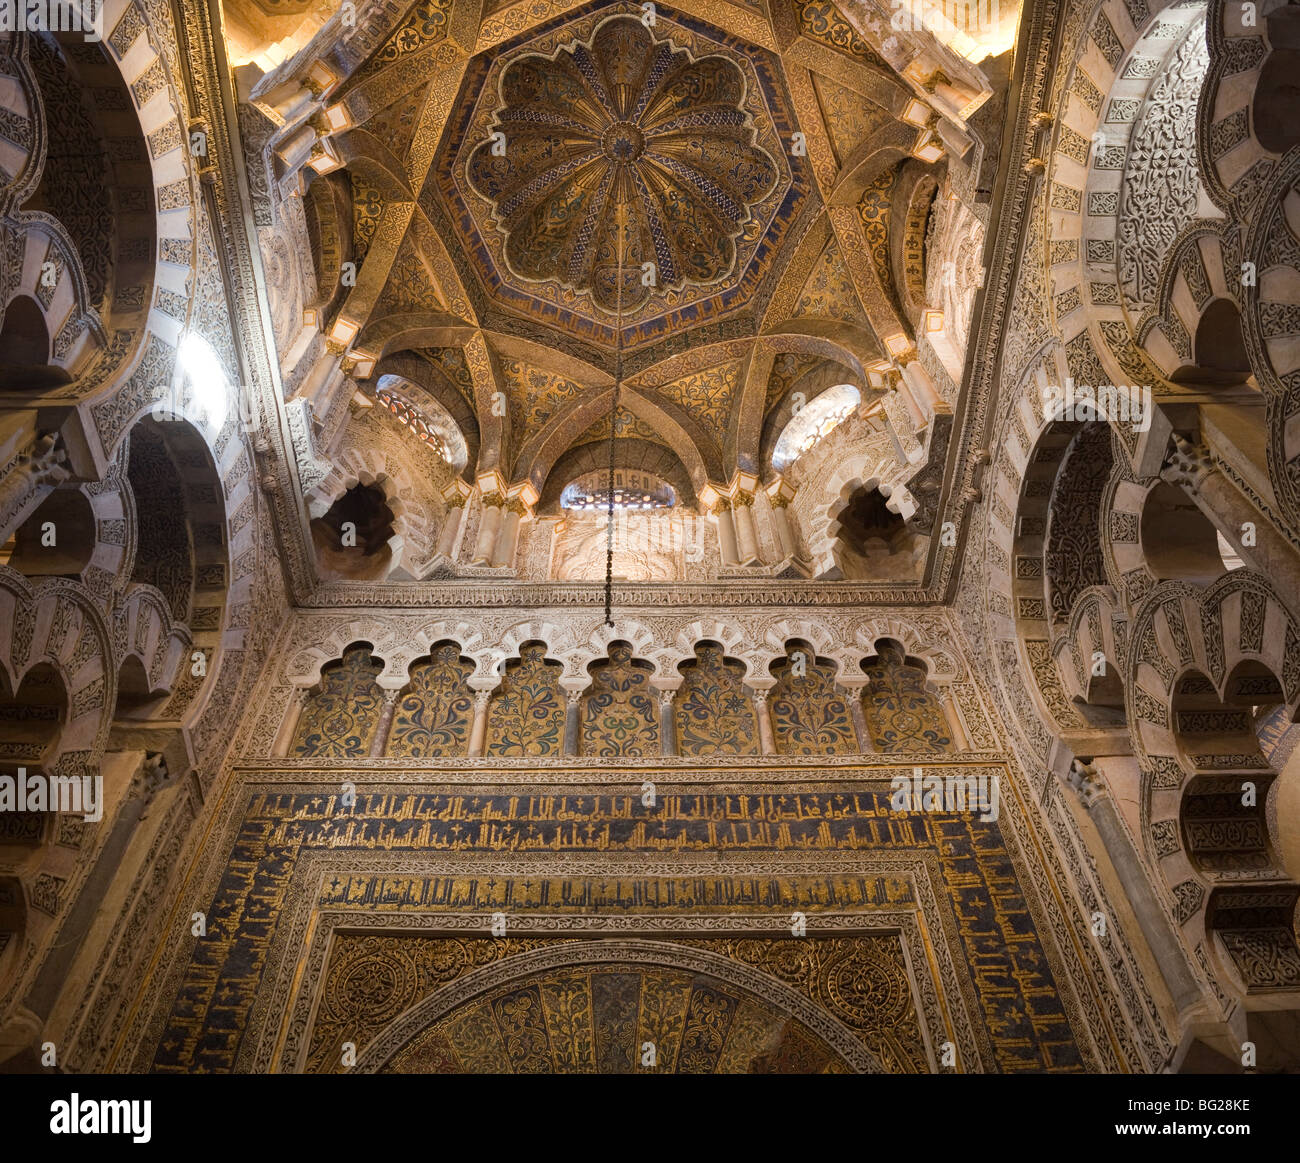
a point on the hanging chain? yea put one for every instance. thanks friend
(613, 416)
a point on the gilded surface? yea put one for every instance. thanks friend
(342, 715)
(713, 713)
(1019, 1005)
(526, 714)
(620, 716)
(597, 1018)
(901, 714)
(622, 144)
(436, 710)
(809, 715)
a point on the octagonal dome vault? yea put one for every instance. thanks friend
(669, 143)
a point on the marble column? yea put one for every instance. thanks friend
(766, 739)
(479, 731)
(781, 521)
(914, 412)
(922, 387)
(1193, 468)
(952, 716)
(726, 533)
(746, 534)
(512, 514)
(667, 723)
(380, 741)
(451, 526)
(284, 739)
(572, 722)
(489, 527)
(1151, 916)
(853, 696)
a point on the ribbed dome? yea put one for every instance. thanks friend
(628, 132)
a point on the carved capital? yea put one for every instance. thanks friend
(1087, 783)
(493, 501)
(1188, 465)
(743, 499)
(718, 509)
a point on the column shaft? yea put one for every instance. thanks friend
(479, 730)
(766, 739)
(667, 723)
(489, 526)
(572, 722)
(380, 741)
(746, 535)
(450, 530)
(784, 534)
(726, 533)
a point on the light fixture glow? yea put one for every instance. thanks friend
(205, 383)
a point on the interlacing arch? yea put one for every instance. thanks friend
(1200, 661)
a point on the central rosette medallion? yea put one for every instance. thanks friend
(622, 143)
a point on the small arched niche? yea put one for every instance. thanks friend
(57, 540)
(164, 555)
(1224, 832)
(901, 712)
(871, 540)
(352, 538)
(136, 700)
(1178, 540)
(1219, 348)
(32, 717)
(1103, 703)
(25, 349)
(341, 714)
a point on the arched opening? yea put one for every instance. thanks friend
(429, 422)
(57, 540)
(352, 538)
(1277, 93)
(1219, 348)
(32, 717)
(25, 349)
(1072, 559)
(1178, 540)
(135, 698)
(98, 181)
(24, 339)
(901, 712)
(871, 541)
(164, 555)
(657, 534)
(341, 713)
(13, 926)
(1224, 830)
(813, 422)
(1103, 702)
